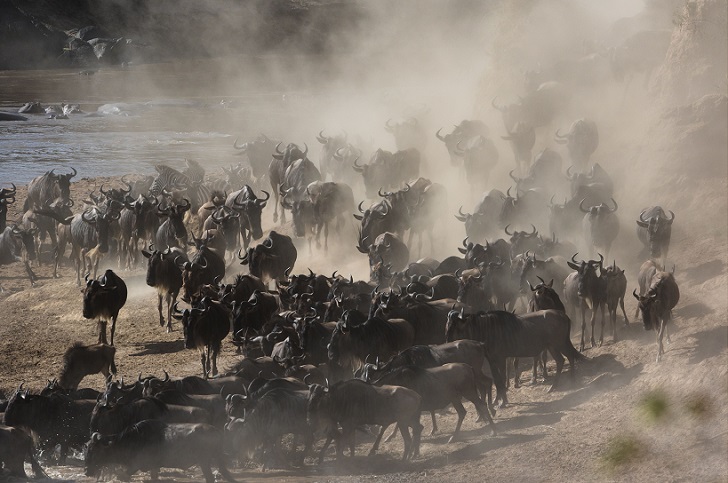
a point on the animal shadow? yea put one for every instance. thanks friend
(693, 311)
(705, 271)
(709, 343)
(163, 347)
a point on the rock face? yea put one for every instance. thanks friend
(49, 33)
(696, 63)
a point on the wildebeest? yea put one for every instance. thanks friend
(389, 171)
(585, 289)
(271, 259)
(439, 387)
(545, 172)
(329, 201)
(205, 267)
(355, 337)
(111, 417)
(377, 219)
(88, 231)
(102, 299)
(507, 335)
(15, 446)
(43, 189)
(524, 207)
(600, 226)
(353, 403)
(654, 230)
(387, 249)
(152, 444)
(137, 222)
(55, 419)
(537, 108)
(408, 133)
(172, 231)
(205, 326)
(81, 360)
(484, 220)
(461, 133)
(522, 139)
(657, 304)
(12, 239)
(616, 287)
(479, 157)
(277, 171)
(329, 146)
(581, 141)
(249, 207)
(164, 274)
(258, 153)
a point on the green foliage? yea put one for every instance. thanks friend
(654, 405)
(622, 450)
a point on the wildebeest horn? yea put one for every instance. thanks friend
(581, 206)
(568, 172)
(305, 151)
(508, 193)
(243, 147)
(465, 242)
(388, 125)
(339, 154)
(386, 211)
(573, 257)
(533, 232)
(357, 167)
(616, 206)
(642, 214)
(386, 193)
(166, 376)
(321, 138)
(671, 219)
(278, 151)
(542, 280)
(437, 134)
(559, 138)
(533, 289)
(506, 230)
(634, 292)
(462, 216)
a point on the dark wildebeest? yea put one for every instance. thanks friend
(81, 360)
(341, 168)
(439, 387)
(356, 337)
(205, 267)
(137, 222)
(172, 231)
(595, 185)
(479, 157)
(484, 221)
(389, 171)
(330, 201)
(164, 273)
(353, 403)
(581, 141)
(205, 326)
(102, 299)
(408, 133)
(545, 172)
(585, 289)
(462, 132)
(249, 207)
(657, 304)
(537, 108)
(112, 417)
(12, 239)
(55, 419)
(654, 229)
(329, 146)
(7, 198)
(271, 259)
(258, 153)
(15, 446)
(387, 249)
(277, 171)
(507, 335)
(600, 226)
(47, 187)
(152, 444)
(616, 286)
(524, 207)
(522, 139)
(522, 241)
(377, 219)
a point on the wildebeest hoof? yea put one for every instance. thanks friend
(169, 330)
(600, 343)
(534, 381)
(452, 438)
(433, 432)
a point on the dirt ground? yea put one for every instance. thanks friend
(566, 435)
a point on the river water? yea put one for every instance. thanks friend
(134, 118)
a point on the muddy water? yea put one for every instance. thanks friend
(134, 118)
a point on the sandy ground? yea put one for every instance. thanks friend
(560, 436)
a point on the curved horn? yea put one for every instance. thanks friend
(496, 106)
(437, 134)
(358, 168)
(568, 172)
(508, 193)
(321, 138)
(461, 216)
(634, 292)
(533, 232)
(669, 222)
(506, 230)
(581, 206)
(267, 197)
(542, 280)
(573, 257)
(616, 206)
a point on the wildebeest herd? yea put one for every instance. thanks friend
(323, 355)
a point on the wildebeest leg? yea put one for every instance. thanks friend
(202, 361)
(63, 454)
(498, 366)
(535, 369)
(593, 321)
(660, 333)
(347, 437)
(326, 236)
(215, 352)
(222, 468)
(621, 304)
(159, 307)
(207, 473)
(154, 474)
(113, 329)
(101, 324)
(391, 435)
(481, 409)
(32, 276)
(407, 440)
(583, 326)
(171, 298)
(375, 447)
(559, 367)
(461, 415)
(434, 423)
(329, 439)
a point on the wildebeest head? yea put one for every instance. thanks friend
(408, 133)
(647, 306)
(98, 295)
(25, 237)
(598, 211)
(659, 230)
(456, 322)
(374, 221)
(101, 222)
(250, 208)
(98, 452)
(522, 138)
(301, 212)
(375, 173)
(544, 296)
(292, 153)
(190, 319)
(588, 279)
(581, 140)
(64, 182)
(175, 213)
(522, 241)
